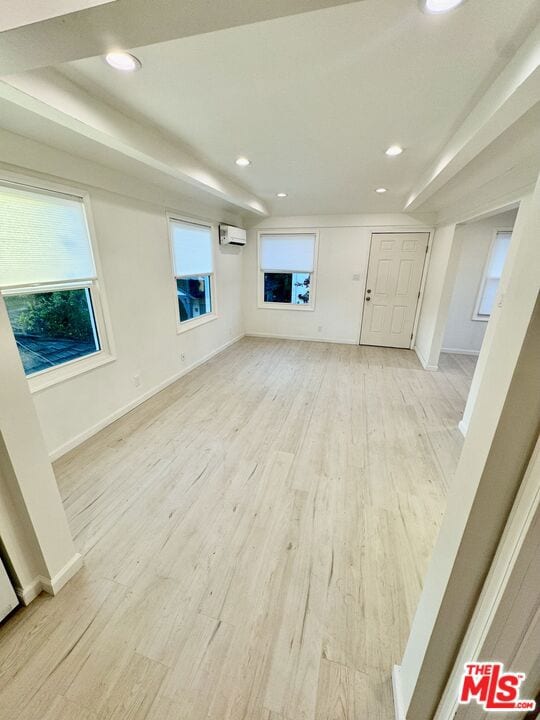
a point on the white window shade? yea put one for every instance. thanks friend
(43, 238)
(192, 249)
(287, 253)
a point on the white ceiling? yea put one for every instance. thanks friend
(314, 99)
(16, 13)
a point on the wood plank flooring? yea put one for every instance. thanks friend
(255, 538)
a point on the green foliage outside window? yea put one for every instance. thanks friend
(58, 314)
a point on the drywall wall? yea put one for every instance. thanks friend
(437, 293)
(462, 333)
(502, 434)
(132, 240)
(133, 244)
(343, 254)
(35, 532)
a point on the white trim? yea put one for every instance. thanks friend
(462, 427)
(30, 591)
(511, 544)
(399, 710)
(460, 351)
(310, 306)
(423, 361)
(195, 322)
(59, 373)
(91, 431)
(427, 257)
(53, 585)
(214, 233)
(302, 337)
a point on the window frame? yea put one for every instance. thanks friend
(185, 325)
(59, 373)
(476, 316)
(304, 307)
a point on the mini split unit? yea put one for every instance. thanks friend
(230, 235)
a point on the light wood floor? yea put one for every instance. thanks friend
(255, 539)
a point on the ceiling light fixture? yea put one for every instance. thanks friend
(394, 150)
(123, 61)
(380, 190)
(281, 195)
(243, 161)
(438, 6)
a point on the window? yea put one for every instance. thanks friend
(287, 264)
(193, 262)
(492, 275)
(48, 279)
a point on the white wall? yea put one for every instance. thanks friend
(462, 333)
(440, 278)
(133, 246)
(502, 434)
(344, 243)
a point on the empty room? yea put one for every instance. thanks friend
(269, 360)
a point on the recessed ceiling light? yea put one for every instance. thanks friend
(394, 150)
(123, 61)
(282, 195)
(380, 190)
(243, 161)
(439, 6)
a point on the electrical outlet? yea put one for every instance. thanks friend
(137, 379)
(183, 357)
(319, 329)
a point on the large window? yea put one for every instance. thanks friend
(193, 260)
(287, 265)
(492, 275)
(48, 279)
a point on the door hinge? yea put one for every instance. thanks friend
(427, 248)
(411, 336)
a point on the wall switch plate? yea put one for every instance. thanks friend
(356, 277)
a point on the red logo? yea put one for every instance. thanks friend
(489, 685)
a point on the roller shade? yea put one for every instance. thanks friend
(192, 249)
(287, 253)
(43, 238)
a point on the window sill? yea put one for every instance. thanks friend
(286, 306)
(480, 318)
(196, 322)
(54, 376)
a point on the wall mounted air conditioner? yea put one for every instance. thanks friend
(230, 235)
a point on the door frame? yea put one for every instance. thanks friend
(389, 230)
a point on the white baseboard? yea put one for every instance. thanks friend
(29, 592)
(86, 434)
(399, 710)
(302, 337)
(460, 351)
(424, 362)
(50, 585)
(462, 428)
(56, 583)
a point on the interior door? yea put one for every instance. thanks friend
(8, 599)
(396, 262)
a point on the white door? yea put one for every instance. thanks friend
(396, 262)
(8, 599)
